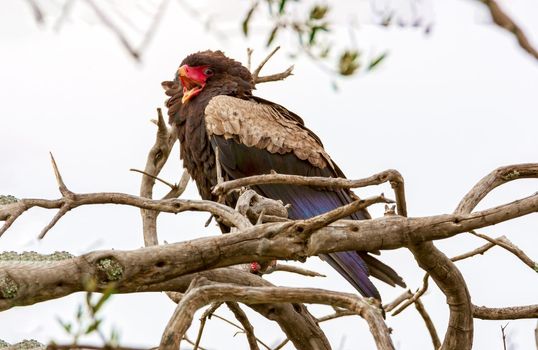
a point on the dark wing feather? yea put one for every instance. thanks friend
(255, 137)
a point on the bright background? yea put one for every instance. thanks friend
(444, 109)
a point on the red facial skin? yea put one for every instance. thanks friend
(193, 80)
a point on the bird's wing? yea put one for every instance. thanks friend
(264, 126)
(256, 136)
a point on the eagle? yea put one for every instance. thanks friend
(212, 105)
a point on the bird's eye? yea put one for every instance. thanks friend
(209, 72)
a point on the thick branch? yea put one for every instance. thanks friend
(494, 179)
(39, 281)
(199, 296)
(451, 282)
(505, 313)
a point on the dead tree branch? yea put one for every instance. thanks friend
(202, 292)
(429, 324)
(511, 247)
(247, 326)
(391, 175)
(268, 78)
(165, 139)
(501, 19)
(505, 313)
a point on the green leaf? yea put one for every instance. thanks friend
(79, 313)
(93, 327)
(376, 61)
(106, 295)
(314, 30)
(272, 36)
(67, 326)
(247, 18)
(282, 6)
(318, 12)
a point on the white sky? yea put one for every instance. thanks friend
(444, 110)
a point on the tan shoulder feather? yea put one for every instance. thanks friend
(262, 126)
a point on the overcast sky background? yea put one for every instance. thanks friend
(444, 109)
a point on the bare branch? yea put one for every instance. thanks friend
(511, 247)
(429, 324)
(247, 326)
(292, 269)
(504, 21)
(37, 12)
(397, 301)
(504, 335)
(494, 179)
(201, 293)
(61, 185)
(157, 156)
(207, 314)
(449, 279)
(414, 297)
(258, 69)
(336, 314)
(153, 177)
(107, 22)
(505, 313)
(275, 77)
(391, 175)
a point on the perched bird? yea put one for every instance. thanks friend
(212, 105)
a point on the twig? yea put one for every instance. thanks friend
(336, 314)
(249, 57)
(292, 269)
(504, 21)
(150, 33)
(114, 29)
(38, 14)
(429, 324)
(256, 72)
(409, 297)
(207, 314)
(188, 340)
(172, 186)
(275, 77)
(397, 301)
(282, 344)
(504, 335)
(67, 196)
(247, 328)
(511, 247)
(61, 185)
(415, 296)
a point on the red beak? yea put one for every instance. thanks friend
(193, 81)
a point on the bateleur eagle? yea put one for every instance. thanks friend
(212, 105)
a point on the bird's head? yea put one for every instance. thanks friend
(206, 70)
